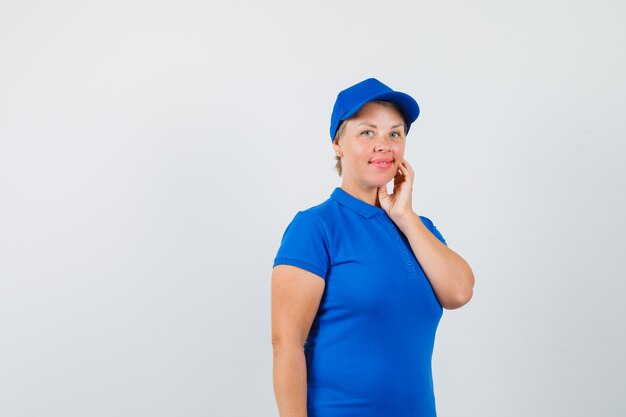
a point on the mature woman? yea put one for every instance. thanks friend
(359, 281)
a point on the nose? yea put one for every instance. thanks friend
(381, 144)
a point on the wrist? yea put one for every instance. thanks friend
(405, 219)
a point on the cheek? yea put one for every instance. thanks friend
(357, 152)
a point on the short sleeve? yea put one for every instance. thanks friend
(305, 244)
(433, 229)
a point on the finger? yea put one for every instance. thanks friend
(408, 171)
(401, 168)
(408, 166)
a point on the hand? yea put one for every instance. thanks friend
(398, 205)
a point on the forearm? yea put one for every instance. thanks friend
(290, 380)
(450, 276)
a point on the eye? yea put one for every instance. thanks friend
(396, 135)
(367, 133)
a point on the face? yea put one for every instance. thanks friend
(372, 147)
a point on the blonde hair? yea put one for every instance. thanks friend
(342, 128)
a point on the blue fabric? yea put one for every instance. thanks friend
(350, 100)
(369, 350)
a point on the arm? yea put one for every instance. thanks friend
(296, 294)
(450, 276)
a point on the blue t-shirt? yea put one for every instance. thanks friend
(369, 350)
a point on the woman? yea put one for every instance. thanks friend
(360, 280)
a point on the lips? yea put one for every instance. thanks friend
(382, 162)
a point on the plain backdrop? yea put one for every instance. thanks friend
(153, 152)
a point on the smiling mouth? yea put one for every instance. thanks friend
(382, 164)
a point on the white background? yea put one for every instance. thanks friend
(153, 152)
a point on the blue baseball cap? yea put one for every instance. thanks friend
(350, 100)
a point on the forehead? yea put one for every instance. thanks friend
(378, 110)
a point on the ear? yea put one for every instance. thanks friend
(337, 148)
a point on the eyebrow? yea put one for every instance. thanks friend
(376, 127)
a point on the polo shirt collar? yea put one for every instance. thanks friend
(364, 209)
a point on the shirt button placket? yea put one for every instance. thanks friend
(403, 251)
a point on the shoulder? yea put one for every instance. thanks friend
(318, 222)
(305, 242)
(322, 213)
(313, 218)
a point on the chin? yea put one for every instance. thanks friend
(380, 182)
